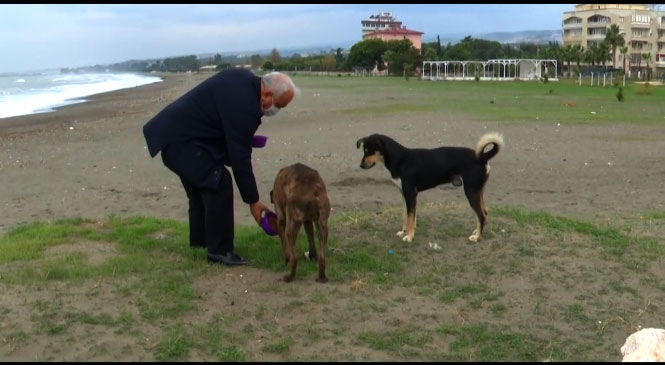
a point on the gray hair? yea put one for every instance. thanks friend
(279, 83)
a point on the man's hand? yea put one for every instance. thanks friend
(257, 210)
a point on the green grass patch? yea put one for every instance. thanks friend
(563, 101)
(548, 279)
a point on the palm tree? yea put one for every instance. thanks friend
(576, 53)
(646, 57)
(603, 53)
(554, 51)
(624, 52)
(564, 53)
(614, 39)
(590, 54)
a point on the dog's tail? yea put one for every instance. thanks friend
(492, 138)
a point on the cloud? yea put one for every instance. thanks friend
(37, 36)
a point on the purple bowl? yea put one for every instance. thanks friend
(269, 223)
(259, 141)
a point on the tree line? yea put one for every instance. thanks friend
(400, 57)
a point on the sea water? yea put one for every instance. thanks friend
(40, 92)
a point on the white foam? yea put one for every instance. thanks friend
(43, 93)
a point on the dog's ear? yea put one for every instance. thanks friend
(383, 144)
(360, 142)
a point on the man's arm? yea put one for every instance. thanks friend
(239, 129)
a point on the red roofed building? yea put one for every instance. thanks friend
(379, 21)
(385, 27)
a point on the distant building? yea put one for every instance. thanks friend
(385, 27)
(379, 21)
(207, 68)
(642, 26)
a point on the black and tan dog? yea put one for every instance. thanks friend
(418, 169)
(300, 198)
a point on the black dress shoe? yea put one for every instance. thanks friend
(229, 258)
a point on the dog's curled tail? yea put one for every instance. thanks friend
(492, 138)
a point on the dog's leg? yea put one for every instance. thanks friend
(482, 204)
(402, 232)
(292, 229)
(405, 223)
(322, 229)
(477, 203)
(281, 230)
(309, 230)
(411, 199)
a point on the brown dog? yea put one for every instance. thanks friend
(300, 198)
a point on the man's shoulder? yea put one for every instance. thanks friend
(236, 72)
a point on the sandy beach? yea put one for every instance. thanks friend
(90, 159)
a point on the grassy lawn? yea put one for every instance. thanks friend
(563, 101)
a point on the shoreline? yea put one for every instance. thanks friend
(82, 111)
(89, 159)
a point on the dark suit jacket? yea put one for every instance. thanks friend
(210, 125)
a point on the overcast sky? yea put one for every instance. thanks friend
(37, 36)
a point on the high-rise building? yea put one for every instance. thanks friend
(642, 27)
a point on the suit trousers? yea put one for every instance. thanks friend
(209, 188)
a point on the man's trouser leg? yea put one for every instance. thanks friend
(219, 219)
(209, 189)
(197, 231)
